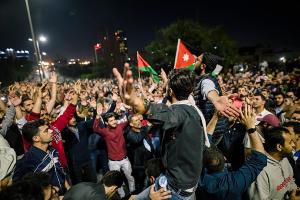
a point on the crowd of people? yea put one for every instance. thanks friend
(193, 135)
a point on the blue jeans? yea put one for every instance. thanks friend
(175, 196)
(99, 156)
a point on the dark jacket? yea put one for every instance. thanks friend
(231, 185)
(137, 152)
(208, 108)
(36, 160)
(15, 139)
(86, 191)
(182, 143)
(77, 148)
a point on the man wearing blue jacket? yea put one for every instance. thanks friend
(217, 183)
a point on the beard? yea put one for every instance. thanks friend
(286, 154)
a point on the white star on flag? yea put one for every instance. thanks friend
(185, 57)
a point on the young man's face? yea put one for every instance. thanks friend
(279, 100)
(111, 122)
(257, 101)
(199, 64)
(45, 134)
(288, 145)
(265, 93)
(136, 122)
(72, 122)
(242, 92)
(291, 95)
(28, 105)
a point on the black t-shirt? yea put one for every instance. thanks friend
(86, 191)
(14, 138)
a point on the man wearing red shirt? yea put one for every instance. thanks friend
(116, 146)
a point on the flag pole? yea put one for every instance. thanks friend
(137, 54)
(176, 53)
(96, 56)
(139, 73)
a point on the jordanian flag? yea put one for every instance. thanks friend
(145, 67)
(184, 58)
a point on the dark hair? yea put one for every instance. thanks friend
(108, 115)
(213, 160)
(25, 98)
(112, 178)
(41, 178)
(154, 167)
(131, 116)
(211, 61)
(295, 125)
(261, 96)
(182, 83)
(31, 129)
(274, 136)
(279, 93)
(30, 188)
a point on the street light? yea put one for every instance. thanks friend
(33, 39)
(42, 38)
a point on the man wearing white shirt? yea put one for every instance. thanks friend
(262, 115)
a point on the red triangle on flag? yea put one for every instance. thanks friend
(184, 58)
(141, 62)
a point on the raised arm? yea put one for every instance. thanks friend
(51, 103)
(248, 117)
(127, 91)
(9, 119)
(16, 102)
(221, 104)
(212, 123)
(38, 101)
(96, 128)
(2, 106)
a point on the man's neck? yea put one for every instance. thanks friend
(137, 130)
(259, 109)
(173, 99)
(42, 146)
(279, 106)
(276, 155)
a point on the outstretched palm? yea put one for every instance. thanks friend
(126, 89)
(222, 105)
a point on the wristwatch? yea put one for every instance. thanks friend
(251, 130)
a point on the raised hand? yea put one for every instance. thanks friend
(84, 102)
(127, 91)
(99, 109)
(40, 89)
(74, 97)
(93, 103)
(161, 194)
(248, 116)
(114, 97)
(53, 77)
(16, 100)
(125, 83)
(77, 87)
(222, 104)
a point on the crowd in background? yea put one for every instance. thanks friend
(66, 139)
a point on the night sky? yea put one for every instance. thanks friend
(73, 26)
